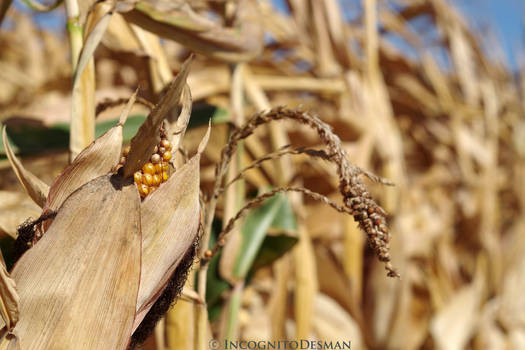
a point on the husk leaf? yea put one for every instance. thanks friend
(170, 218)
(147, 137)
(180, 23)
(35, 188)
(9, 299)
(97, 159)
(78, 286)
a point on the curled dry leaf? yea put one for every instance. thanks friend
(97, 159)
(35, 188)
(9, 299)
(147, 137)
(170, 220)
(179, 23)
(80, 282)
(179, 127)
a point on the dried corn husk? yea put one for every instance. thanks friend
(85, 268)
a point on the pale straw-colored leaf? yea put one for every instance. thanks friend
(512, 303)
(180, 318)
(159, 67)
(332, 280)
(170, 222)
(278, 136)
(452, 326)
(78, 285)
(306, 284)
(326, 64)
(278, 302)
(196, 32)
(120, 37)
(101, 157)
(147, 137)
(179, 127)
(9, 299)
(233, 199)
(332, 322)
(353, 257)
(35, 188)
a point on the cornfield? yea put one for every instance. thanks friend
(239, 175)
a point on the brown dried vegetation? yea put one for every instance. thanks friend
(448, 134)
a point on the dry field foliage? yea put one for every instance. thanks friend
(343, 171)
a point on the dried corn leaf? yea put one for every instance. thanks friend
(169, 232)
(9, 299)
(306, 284)
(35, 188)
(332, 322)
(180, 322)
(452, 326)
(78, 286)
(414, 312)
(96, 160)
(179, 127)
(326, 63)
(353, 257)
(160, 71)
(512, 303)
(179, 23)
(119, 36)
(147, 137)
(232, 201)
(332, 280)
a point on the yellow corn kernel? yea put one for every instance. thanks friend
(155, 158)
(166, 156)
(143, 190)
(166, 144)
(137, 176)
(148, 168)
(156, 179)
(147, 179)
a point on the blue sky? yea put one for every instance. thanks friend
(504, 18)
